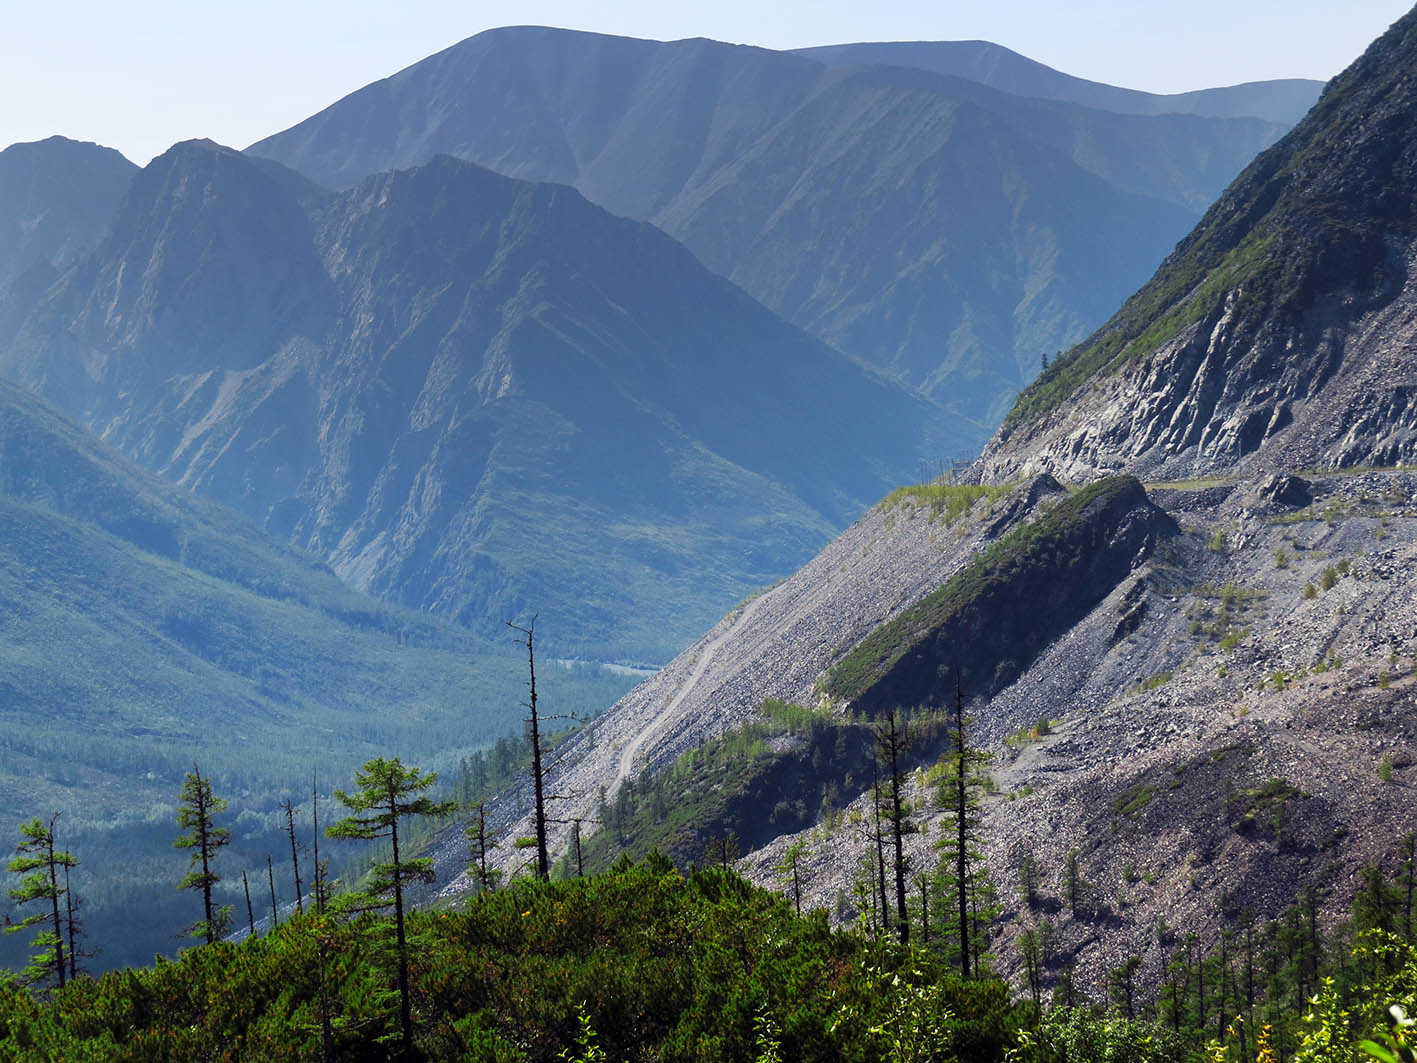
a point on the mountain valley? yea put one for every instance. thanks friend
(547, 350)
(1215, 723)
(507, 423)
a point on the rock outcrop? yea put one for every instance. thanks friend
(1281, 334)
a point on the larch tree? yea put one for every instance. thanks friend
(197, 810)
(388, 793)
(39, 861)
(788, 872)
(479, 843)
(966, 901)
(892, 741)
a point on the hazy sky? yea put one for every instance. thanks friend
(142, 75)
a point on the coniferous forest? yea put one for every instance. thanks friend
(646, 960)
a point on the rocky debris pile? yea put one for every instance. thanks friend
(1227, 751)
(775, 645)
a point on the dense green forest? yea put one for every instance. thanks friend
(652, 961)
(643, 962)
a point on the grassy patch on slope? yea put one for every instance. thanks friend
(880, 651)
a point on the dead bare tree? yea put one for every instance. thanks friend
(250, 912)
(543, 858)
(540, 770)
(294, 854)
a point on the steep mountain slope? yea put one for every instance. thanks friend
(1279, 333)
(57, 197)
(145, 629)
(931, 225)
(1218, 721)
(1284, 101)
(474, 395)
(1001, 245)
(1199, 694)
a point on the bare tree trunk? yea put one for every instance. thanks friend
(250, 912)
(271, 877)
(294, 857)
(71, 908)
(543, 859)
(405, 1008)
(962, 830)
(59, 965)
(880, 842)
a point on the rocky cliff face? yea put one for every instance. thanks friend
(1280, 333)
(1228, 723)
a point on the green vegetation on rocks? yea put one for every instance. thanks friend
(776, 775)
(947, 502)
(1045, 570)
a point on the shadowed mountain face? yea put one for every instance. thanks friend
(1284, 101)
(57, 198)
(1280, 333)
(471, 394)
(941, 229)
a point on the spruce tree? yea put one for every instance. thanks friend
(197, 810)
(387, 793)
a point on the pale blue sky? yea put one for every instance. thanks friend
(142, 75)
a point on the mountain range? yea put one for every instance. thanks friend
(1193, 668)
(619, 332)
(471, 394)
(947, 231)
(439, 416)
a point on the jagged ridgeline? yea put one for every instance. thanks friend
(860, 193)
(473, 395)
(1277, 333)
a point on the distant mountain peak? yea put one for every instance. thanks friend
(856, 201)
(57, 197)
(1284, 101)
